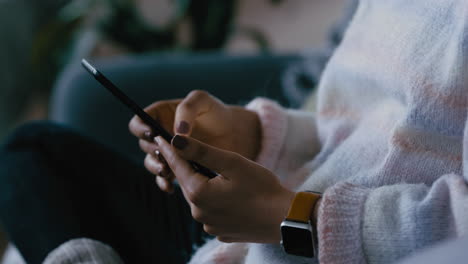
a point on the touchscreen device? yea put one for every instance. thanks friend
(158, 130)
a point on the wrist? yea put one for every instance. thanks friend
(285, 201)
(299, 228)
(248, 132)
(255, 134)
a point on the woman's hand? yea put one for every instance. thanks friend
(203, 117)
(244, 203)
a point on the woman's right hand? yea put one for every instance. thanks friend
(203, 117)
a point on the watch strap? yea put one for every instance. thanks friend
(303, 206)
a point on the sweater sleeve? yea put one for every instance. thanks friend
(289, 137)
(384, 224)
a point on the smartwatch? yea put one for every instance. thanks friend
(298, 233)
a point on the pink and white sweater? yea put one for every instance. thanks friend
(387, 143)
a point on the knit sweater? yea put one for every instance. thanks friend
(387, 143)
(390, 133)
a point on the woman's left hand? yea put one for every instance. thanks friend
(244, 203)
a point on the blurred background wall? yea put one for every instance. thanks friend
(38, 38)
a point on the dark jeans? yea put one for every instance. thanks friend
(56, 185)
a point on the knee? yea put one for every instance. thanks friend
(32, 135)
(20, 153)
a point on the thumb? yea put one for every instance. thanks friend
(196, 103)
(181, 167)
(213, 158)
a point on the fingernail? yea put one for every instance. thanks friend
(179, 142)
(161, 182)
(157, 140)
(183, 127)
(148, 135)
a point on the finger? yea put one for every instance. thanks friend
(152, 149)
(193, 183)
(216, 159)
(164, 184)
(148, 147)
(193, 105)
(140, 129)
(163, 111)
(153, 165)
(166, 170)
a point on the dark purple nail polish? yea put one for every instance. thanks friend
(164, 173)
(183, 127)
(160, 172)
(179, 142)
(148, 135)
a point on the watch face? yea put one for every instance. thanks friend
(297, 241)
